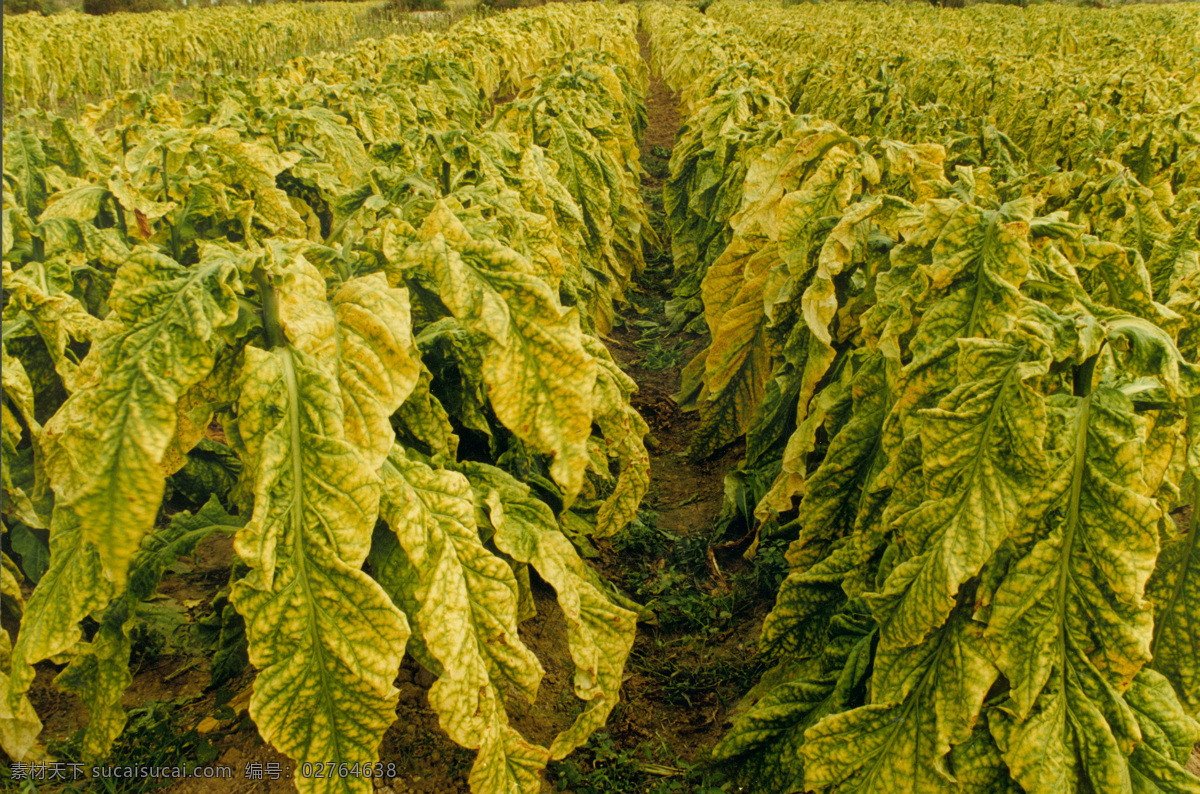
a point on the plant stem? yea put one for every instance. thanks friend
(272, 326)
(1083, 375)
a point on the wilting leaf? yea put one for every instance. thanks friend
(105, 446)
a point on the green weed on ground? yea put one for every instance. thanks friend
(601, 767)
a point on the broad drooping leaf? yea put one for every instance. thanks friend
(599, 632)
(74, 586)
(539, 377)
(463, 604)
(810, 174)
(1175, 590)
(39, 291)
(982, 463)
(623, 429)
(766, 738)
(329, 132)
(105, 445)
(19, 724)
(99, 672)
(737, 364)
(812, 592)
(924, 700)
(377, 358)
(1169, 737)
(21, 485)
(25, 158)
(1069, 623)
(326, 692)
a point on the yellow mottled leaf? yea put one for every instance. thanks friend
(624, 430)
(465, 604)
(925, 700)
(1069, 624)
(325, 637)
(982, 464)
(104, 448)
(599, 633)
(70, 589)
(538, 375)
(38, 289)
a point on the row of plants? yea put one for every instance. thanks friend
(969, 399)
(742, 112)
(379, 289)
(1021, 99)
(52, 59)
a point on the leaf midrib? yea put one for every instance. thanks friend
(299, 556)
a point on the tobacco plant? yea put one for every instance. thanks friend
(363, 292)
(969, 400)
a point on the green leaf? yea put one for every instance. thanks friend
(424, 423)
(836, 492)
(73, 149)
(19, 723)
(592, 177)
(378, 360)
(332, 136)
(251, 166)
(977, 764)
(808, 599)
(230, 656)
(791, 482)
(1174, 257)
(820, 301)
(35, 555)
(211, 469)
(178, 539)
(1126, 282)
(14, 599)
